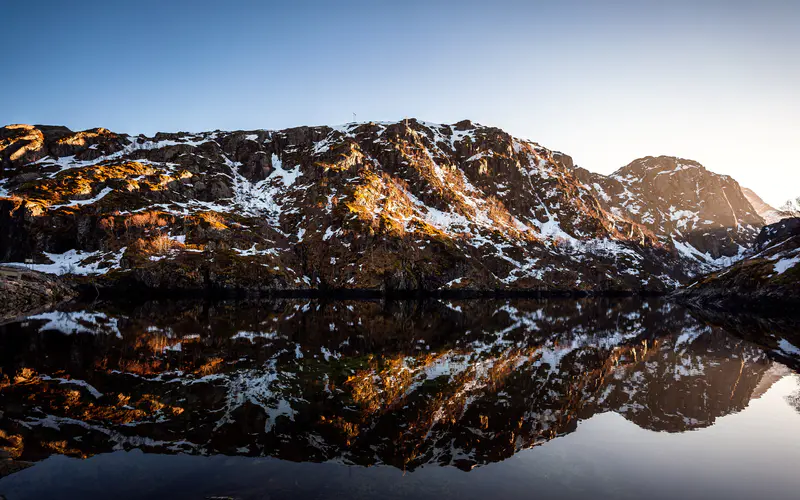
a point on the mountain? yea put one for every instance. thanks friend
(706, 216)
(393, 206)
(770, 214)
(767, 278)
(378, 206)
(791, 208)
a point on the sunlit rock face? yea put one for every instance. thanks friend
(770, 214)
(459, 383)
(371, 206)
(707, 216)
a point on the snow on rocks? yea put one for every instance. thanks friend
(77, 262)
(506, 210)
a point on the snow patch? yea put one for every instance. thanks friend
(75, 262)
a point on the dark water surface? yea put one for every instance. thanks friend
(592, 398)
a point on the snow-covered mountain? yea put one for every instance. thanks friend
(706, 216)
(791, 208)
(381, 206)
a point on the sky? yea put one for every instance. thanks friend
(605, 82)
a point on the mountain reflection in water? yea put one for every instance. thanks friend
(404, 384)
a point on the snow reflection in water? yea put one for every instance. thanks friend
(471, 385)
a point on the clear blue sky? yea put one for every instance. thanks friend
(606, 82)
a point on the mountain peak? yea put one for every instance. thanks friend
(705, 214)
(656, 165)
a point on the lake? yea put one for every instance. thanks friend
(299, 398)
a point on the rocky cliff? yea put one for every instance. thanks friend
(373, 206)
(379, 206)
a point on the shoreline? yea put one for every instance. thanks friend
(89, 291)
(35, 292)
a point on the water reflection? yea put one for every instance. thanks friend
(405, 384)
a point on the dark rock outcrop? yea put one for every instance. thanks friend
(768, 279)
(22, 291)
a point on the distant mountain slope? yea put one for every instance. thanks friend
(769, 276)
(705, 215)
(770, 214)
(377, 206)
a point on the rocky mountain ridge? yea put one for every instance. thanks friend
(767, 278)
(366, 206)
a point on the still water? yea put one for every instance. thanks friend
(593, 398)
